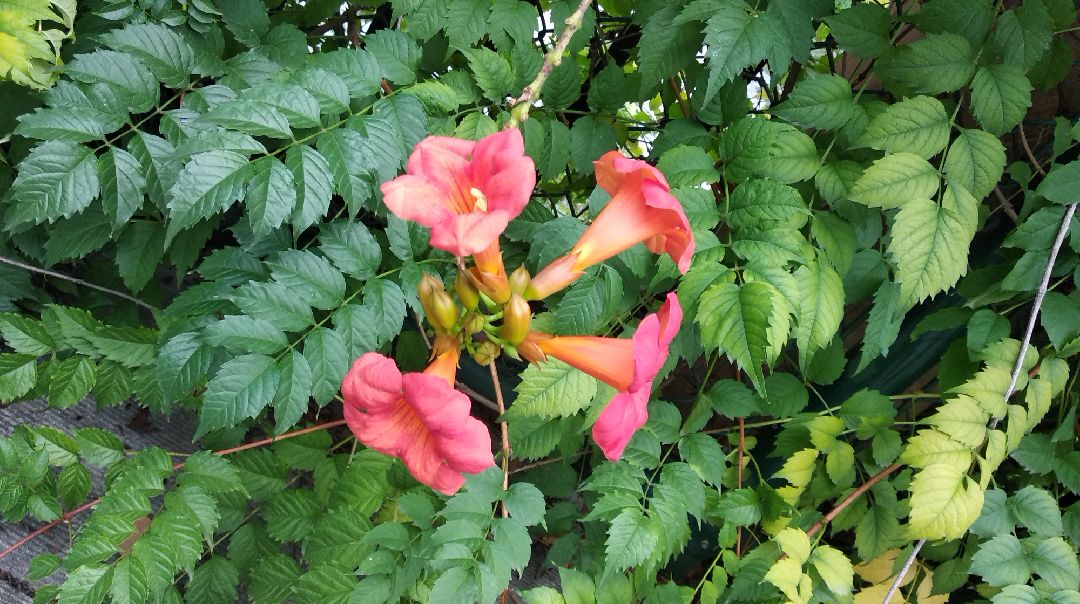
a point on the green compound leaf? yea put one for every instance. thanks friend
(552, 389)
(241, 389)
(894, 181)
(918, 125)
(1000, 97)
(822, 102)
(748, 323)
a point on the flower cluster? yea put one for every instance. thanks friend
(466, 193)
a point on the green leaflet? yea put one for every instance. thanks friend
(748, 323)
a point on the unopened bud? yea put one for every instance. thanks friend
(441, 311)
(472, 323)
(486, 352)
(493, 286)
(519, 280)
(517, 317)
(531, 352)
(466, 291)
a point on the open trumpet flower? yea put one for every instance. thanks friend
(466, 192)
(642, 210)
(417, 417)
(628, 365)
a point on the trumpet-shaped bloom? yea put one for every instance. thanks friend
(466, 192)
(417, 417)
(629, 366)
(642, 210)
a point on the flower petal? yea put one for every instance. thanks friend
(467, 234)
(613, 168)
(412, 198)
(623, 415)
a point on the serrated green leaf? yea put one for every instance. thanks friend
(352, 248)
(862, 28)
(1023, 34)
(704, 455)
(665, 47)
(918, 125)
(275, 303)
(241, 333)
(688, 166)
(310, 276)
(736, 40)
(215, 581)
(822, 102)
(25, 335)
(895, 181)
(129, 77)
(552, 389)
(976, 161)
(1037, 510)
(241, 389)
(1001, 561)
(821, 308)
(1059, 186)
(492, 72)
(164, 51)
(589, 139)
(314, 186)
(71, 381)
(1000, 97)
(271, 195)
(937, 63)
(86, 585)
(346, 154)
(748, 323)
(929, 245)
(325, 352)
(64, 123)
(208, 184)
(631, 540)
(387, 303)
(57, 179)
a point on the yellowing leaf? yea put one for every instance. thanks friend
(963, 420)
(834, 567)
(798, 470)
(794, 543)
(786, 575)
(988, 389)
(944, 503)
(929, 245)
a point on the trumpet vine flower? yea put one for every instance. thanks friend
(466, 192)
(417, 417)
(628, 365)
(642, 210)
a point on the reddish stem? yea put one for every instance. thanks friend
(67, 516)
(827, 518)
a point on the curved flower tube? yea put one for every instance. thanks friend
(417, 417)
(628, 365)
(642, 210)
(466, 192)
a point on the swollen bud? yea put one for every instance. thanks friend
(529, 351)
(517, 317)
(495, 287)
(441, 311)
(519, 280)
(472, 323)
(486, 352)
(466, 292)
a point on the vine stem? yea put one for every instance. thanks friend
(552, 60)
(1040, 294)
(67, 516)
(112, 292)
(863, 488)
(504, 432)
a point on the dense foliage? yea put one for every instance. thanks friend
(869, 386)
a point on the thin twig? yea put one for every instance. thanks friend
(106, 290)
(1006, 206)
(67, 516)
(827, 518)
(1027, 150)
(476, 396)
(903, 570)
(1040, 293)
(504, 431)
(551, 60)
